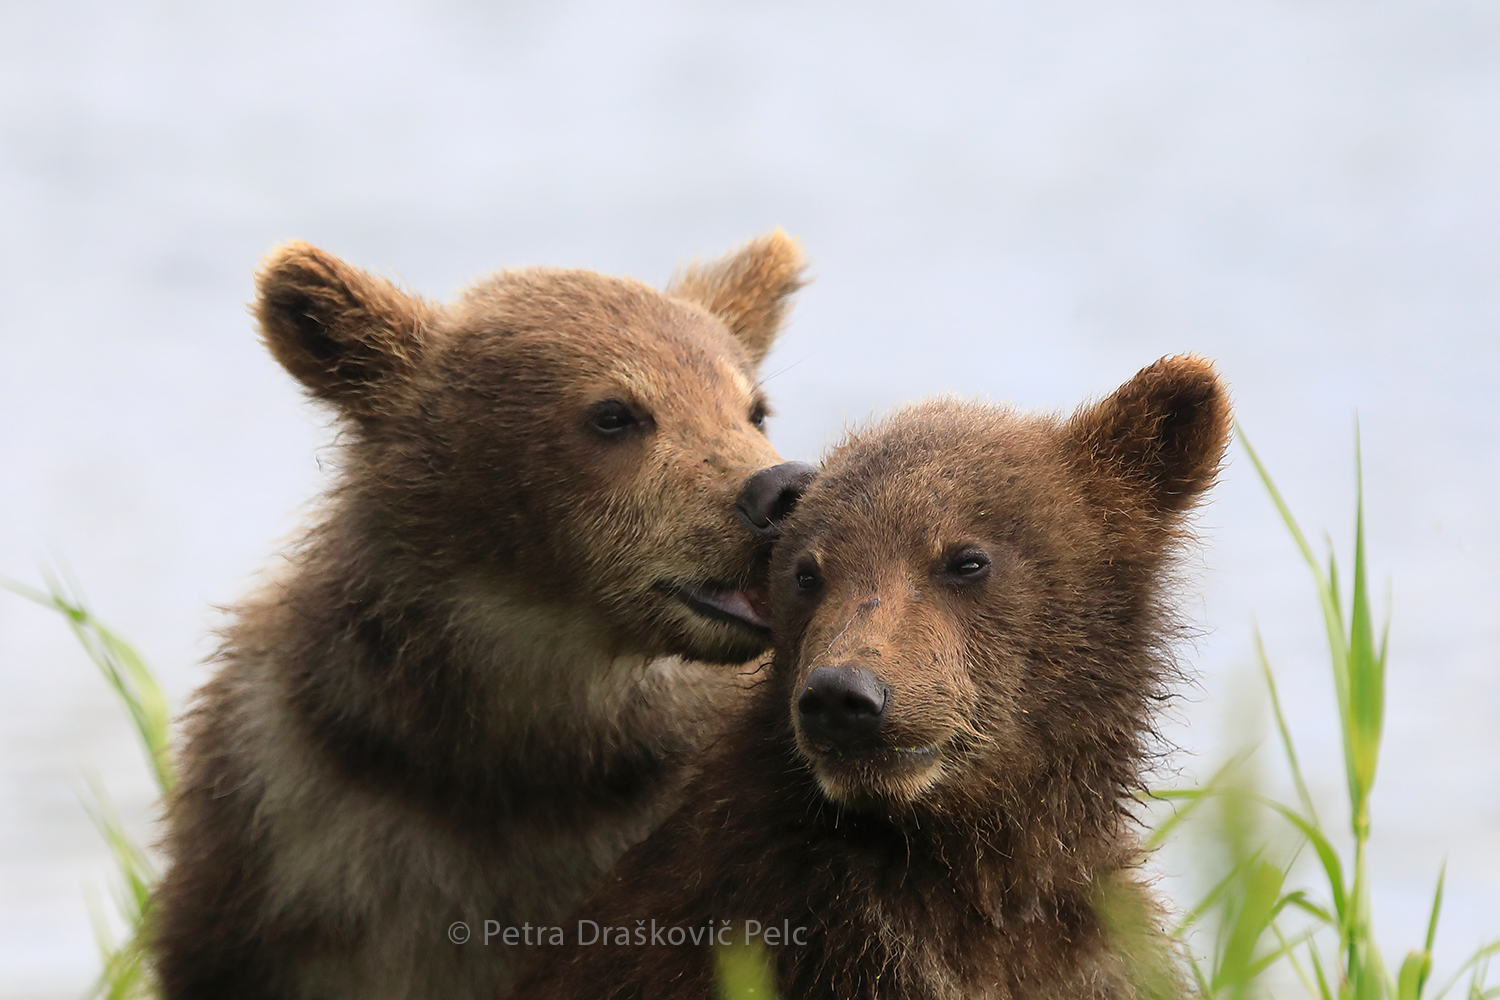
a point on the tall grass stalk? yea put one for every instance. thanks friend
(744, 972)
(1359, 684)
(1251, 899)
(127, 971)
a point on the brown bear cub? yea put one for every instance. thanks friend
(930, 796)
(482, 674)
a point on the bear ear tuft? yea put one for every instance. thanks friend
(749, 289)
(349, 337)
(1163, 432)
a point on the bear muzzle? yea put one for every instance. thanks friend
(846, 730)
(840, 709)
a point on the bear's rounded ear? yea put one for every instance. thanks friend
(749, 289)
(349, 337)
(1164, 432)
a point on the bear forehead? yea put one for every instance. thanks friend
(584, 326)
(940, 469)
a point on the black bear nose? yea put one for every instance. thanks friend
(770, 494)
(841, 707)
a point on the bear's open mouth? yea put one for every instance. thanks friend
(745, 607)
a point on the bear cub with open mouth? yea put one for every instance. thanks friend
(932, 791)
(487, 667)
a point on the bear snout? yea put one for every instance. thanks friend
(769, 496)
(841, 708)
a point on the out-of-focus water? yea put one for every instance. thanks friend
(1022, 201)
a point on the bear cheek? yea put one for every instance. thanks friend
(1012, 713)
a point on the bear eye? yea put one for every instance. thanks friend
(969, 565)
(758, 415)
(807, 579)
(611, 418)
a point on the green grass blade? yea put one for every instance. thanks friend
(1477, 984)
(1333, 867)
(1432, 924)
(1289, 949)
(1366, 668)
(1262, 889)
(127, 972)
(122, 668)
(1303, 796)
(1209, 900)
(1322, 914)
(1282, 950)
(1325, 992)
(1326, 584)
(135, 868)
(1199, 977)
(1338, 653)
(1480, 955)
(1158, 836)
(744, 972)
(1194, 797)
(1334, 589)
(1281, 507)
(1413, 971)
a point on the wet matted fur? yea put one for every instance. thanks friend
(483, 672)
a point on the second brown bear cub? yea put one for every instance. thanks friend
(932, 791)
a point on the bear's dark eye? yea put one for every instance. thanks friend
(758, 416)
(969, 565)
(807, 579)
(611, 418)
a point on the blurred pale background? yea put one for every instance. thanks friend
(1020, 201)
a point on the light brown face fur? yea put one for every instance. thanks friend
(989, 581)
(476, 680)
(628, 450)
(560, 436)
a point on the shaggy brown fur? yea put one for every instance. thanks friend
(989, 587)
(472, 687)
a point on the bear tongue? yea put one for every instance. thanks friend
(748, 604)
(756, 598)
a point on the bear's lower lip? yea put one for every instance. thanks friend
(887, 775)
(742, 606)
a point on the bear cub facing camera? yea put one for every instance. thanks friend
(933, 788)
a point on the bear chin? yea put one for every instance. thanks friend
(881, 779)
(725, 645)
